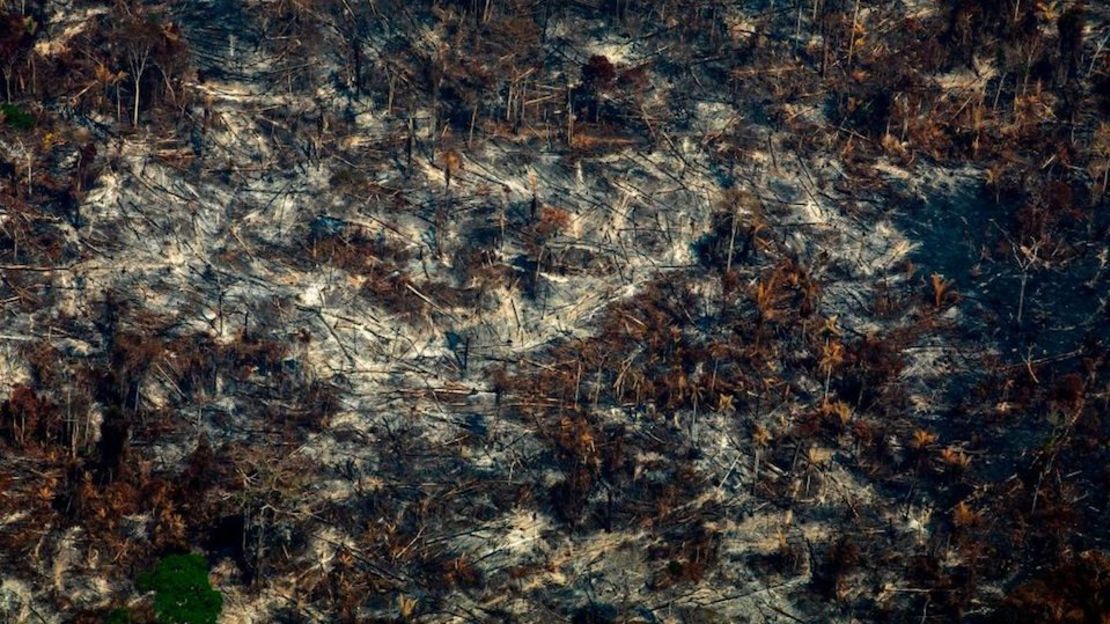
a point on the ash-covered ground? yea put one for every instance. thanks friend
(508, 311)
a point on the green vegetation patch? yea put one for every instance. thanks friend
(182, 594)
(16, 117)
(119, 615)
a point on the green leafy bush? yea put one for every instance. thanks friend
(182, 594)
(119, 615)
(16, 118)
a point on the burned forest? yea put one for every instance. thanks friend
(584, 311)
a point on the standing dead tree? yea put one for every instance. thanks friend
(141, 42)
(17, 34)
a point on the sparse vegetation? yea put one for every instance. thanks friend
(16, 117)
(182, 594)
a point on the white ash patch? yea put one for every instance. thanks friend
(617, 52)
(71, 24)
(17, 602)
(13, 371)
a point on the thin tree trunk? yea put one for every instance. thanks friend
(570, 118)
(1021, 296)
(731, 243)
(473, 119)
(138, 66)
(135, 114)
(852, 35)
(409, 145)
(435, 114)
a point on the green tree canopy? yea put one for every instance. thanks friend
(182, 594)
